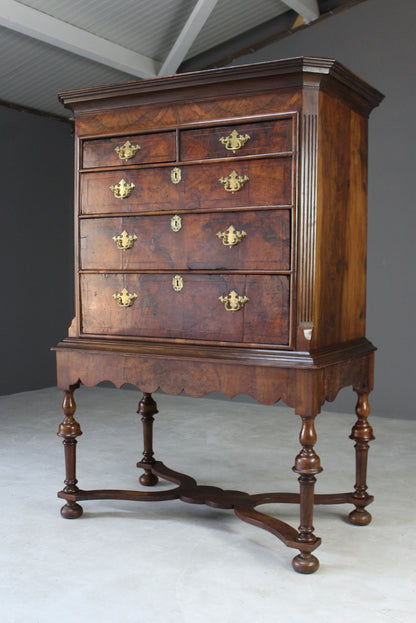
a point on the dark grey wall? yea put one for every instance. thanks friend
(377, 41)
(36, 257)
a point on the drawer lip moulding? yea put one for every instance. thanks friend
(220, 246)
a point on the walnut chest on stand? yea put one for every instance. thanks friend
(220, 236)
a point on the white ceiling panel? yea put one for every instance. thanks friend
(34, 73)
(52, 45)
(233, 17)
(149, 27)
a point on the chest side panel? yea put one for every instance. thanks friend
(340, 290)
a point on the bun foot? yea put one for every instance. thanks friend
(71, 510)
(305, 563)
(359, 517)
(148, 479)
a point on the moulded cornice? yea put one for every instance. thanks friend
(328, 74)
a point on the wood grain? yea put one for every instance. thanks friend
(266, 244)
(157, 147)
(269, 183)
(300, 267)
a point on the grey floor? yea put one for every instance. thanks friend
(170, 562)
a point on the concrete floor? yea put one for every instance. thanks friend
(170, 562)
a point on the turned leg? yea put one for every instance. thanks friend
(361, 433)
(69, 430)
(147, 409)
(307, 464)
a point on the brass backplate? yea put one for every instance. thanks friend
(122, 189)
(234, 141)
(127, 151)
(176, 223)
(233, 302)
(125, 240)
(175, 175)
(233, 182)
(230, 237)
(125, 298)
(177, 283)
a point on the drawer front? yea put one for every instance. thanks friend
(195, 312)
(235, 240)
(135, 149)
(211, 186)
(244, 139)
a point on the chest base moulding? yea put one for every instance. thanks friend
(220, 245)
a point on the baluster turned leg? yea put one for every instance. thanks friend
(69, 430)
(307, 464)
(147, 409)
(361, 433)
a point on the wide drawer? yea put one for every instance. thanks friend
(259, 182)
(244, 139)
(234, 240)
(193, 311)
(135, 149)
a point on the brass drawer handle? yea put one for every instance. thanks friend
(122, 189)
(127, 151)
(233, 302)
(124, 298)
(230, 237)
(125, 240)
(233, 182)
(234, 141)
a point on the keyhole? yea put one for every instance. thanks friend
(177, 283)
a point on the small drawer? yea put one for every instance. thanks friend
(212, 307)
(135, 149)
(260, 182)
(214, 241)
(244, 139)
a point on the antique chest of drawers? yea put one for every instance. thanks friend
(220, 226)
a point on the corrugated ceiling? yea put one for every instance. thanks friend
(35, 65)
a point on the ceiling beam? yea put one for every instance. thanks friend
(309, 9)
(189, 33)
(37, 25)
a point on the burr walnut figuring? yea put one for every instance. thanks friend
(239, 190)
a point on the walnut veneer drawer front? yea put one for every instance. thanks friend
(136, 149)
(261, 182)
(200, 308)
(220, 262)
(235, 240)
(244, 139)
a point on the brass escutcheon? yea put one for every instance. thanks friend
(127, 151)
(175, 175)
(122, 189)
(176, 223)
(125, 240)
(233, 182)
(233, 302)
(177, 283)
(230, 237)
(234, 141)
(124, 298)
